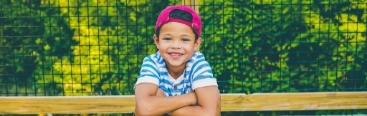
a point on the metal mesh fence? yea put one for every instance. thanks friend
(96, 47)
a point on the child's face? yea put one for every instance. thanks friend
(176, 44)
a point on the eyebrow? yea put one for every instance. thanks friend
(184, 35)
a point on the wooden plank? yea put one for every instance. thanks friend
(230, 102)
(294, 101)
(67, 104)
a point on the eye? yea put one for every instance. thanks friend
(185, 39)
(167, 38)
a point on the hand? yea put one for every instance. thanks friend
(160, 93)
(193, 99)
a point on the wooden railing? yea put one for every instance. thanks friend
(230, 102)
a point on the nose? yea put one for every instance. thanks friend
(176, 45)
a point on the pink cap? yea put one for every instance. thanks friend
(164, 18)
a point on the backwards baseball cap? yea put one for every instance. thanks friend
(164, 18)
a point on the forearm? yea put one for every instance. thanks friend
(209, 103)
(158, 105)
(196, 111)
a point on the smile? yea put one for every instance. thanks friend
(175, 54)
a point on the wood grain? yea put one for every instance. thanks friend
(294, 101)
(67, 105)
(230, 102)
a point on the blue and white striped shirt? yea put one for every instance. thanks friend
(198, 73)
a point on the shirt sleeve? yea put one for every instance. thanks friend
(202, 74)
(148, 72)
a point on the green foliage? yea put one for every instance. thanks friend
(285, 46)
(63, 47)
(26, 42)
(94, 47)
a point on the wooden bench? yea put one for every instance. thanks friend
(230, 102)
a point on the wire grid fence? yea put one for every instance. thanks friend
(69, 48)
(73, 48)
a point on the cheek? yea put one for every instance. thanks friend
(163, 44)
(190, 47)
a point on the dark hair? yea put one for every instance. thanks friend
(183, 15)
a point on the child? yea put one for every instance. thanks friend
(177, 80)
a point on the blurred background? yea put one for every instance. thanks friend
(96, 47)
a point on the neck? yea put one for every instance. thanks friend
(176, 72)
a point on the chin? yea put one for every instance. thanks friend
(176, 64)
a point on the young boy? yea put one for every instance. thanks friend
(177, 80)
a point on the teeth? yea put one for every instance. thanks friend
(175, 54)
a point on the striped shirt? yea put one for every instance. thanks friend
(198, 73)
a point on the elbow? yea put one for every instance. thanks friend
(219, 104)
(208, 113)
(219, 110)
(214, 111)
(144, 110)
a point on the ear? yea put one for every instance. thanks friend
(156, 41)
(197, 44)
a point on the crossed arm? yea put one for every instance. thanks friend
(205, 101)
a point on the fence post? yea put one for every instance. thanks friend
(192, 3)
